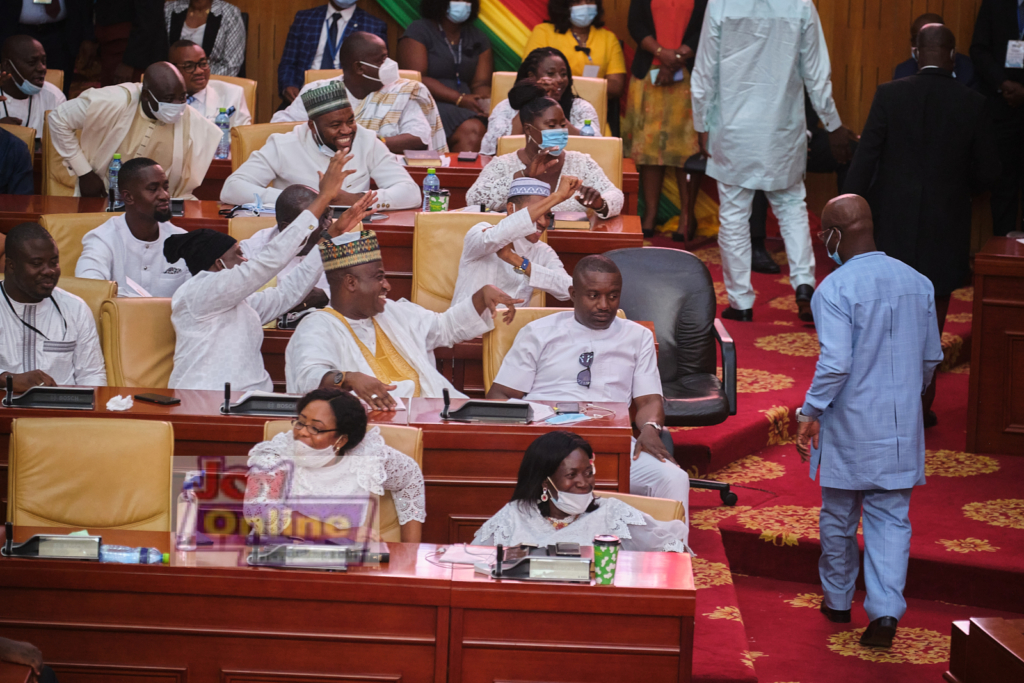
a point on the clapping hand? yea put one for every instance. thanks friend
(331, 181)
(568, 186)
(355, 214)
(591, 198)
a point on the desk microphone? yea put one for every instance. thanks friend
(227, 397)
(444, 413)
(501, 560)
(8, 538)
(9, 398)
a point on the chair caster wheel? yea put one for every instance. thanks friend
(728, 497)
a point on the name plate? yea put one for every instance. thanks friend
(56, 546)
(323, 557)
(490, 411)
(265, 404)
(60, 398)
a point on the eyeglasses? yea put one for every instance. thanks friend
(313, 431)
(586, 358)
(189, 67)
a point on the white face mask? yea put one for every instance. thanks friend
(312, 458)
(387, 72)
(167, 112)
(572, 503)
(324, 149)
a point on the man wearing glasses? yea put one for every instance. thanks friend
(206, 96)
(591, 355)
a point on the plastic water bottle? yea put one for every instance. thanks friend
(122, 554)
(188, 511)
(588, 129)
(430, 184)
(224, 147)
(112, 171)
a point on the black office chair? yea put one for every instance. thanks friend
(673, 289)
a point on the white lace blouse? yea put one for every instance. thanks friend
(371, 467)
(499, 123)
(491, 186)
(515, 524)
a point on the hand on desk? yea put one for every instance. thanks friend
(91, 185)
(26, 380)
(17, 652)
(371, 390)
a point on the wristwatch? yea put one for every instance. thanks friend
(800, 417)
(339, 378)
(521, 268)
(655, 425)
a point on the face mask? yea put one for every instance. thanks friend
(324, 149)
(167, 112)
(554, 137)
(309, 457)
(582, 16)
(29, 89)
(458, 12)
(572, 503)
(835, 255)
(343, 4)
(387, 72)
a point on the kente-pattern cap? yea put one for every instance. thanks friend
(351, 249)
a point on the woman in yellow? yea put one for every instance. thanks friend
(576, 28)
(657, 131)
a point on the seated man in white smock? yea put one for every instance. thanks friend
(299, 156)
(400, 111)
(205, 95)
(290, 203)
(591, 355)
(129, 248)
(47, 336)
(218, 315)
(510, 255)
(371, 346)
(554, 502)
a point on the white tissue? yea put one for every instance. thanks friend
(120, 403)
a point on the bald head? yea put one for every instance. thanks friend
(847, 226)
(19, 47)
(291, 202)
(921, 21)
(360, 46)
(936, 46)
(165, 82)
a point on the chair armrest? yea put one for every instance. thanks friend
(728, 363)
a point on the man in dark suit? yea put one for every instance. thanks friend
(963, 70)
(999, 23)
(60, 26)
(315, 38)
(926, 145)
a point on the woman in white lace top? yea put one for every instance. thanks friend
(330, 453)
(544, 115)
(553, 502)
(545, 68)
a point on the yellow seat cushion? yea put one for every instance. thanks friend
(661, 509)
(138, 340)
(26, 135)
(247, 139)
(593, 90)
(247, 85)
(93, 292)
(68, 230)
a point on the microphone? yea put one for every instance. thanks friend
(444, 413)
(9, 398)
(501, 559)
(227, 397)
(9, 538)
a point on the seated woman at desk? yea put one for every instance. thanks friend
(547, 69)
(554, 502)
(545, 158)
(328, 454)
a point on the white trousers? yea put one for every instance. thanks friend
(734, 238)
(653, 478)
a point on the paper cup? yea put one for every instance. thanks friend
(606, 557)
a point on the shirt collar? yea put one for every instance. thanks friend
(866, 253)
(346, 14)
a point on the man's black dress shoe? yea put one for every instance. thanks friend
(761, 261)
(746, 315)
(836, 616)
(803, 303)
(879, 632)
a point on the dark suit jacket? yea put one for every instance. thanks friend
(963, 71)
(304, 35)
(641, 24)
(926, 145)
(77, 24)
(995, 26)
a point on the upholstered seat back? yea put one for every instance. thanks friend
(90, 472)
(673, 289)
(57, 181)
(408, 440)
(68, 230)
(93, 292)
(26, 135)
(593, 90)
(607, 152)
(247, 85)
(247, 139)
(244, 227)
(138, 342)
(661, 509)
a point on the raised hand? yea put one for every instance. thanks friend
(331, 181)
(349, 220)
(542, 163)
(568, 186)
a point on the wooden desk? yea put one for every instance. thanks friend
(394, 234)
(995, 403)
(986, 651)
(206, 618)
(471, 469)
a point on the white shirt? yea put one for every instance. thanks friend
(412, 120)
(112, 252)
(258, 242)
(34, 13)
(544, 361)
(499, 123)
(346, 16)
(70, 355)
(322, 343)
(218, 317)
(31, 109)
(290, 158)
(217, 94)
(754, 61)
(480, 264)
(193, 34)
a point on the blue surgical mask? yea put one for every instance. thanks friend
(835, 255)
(343, 4)
(582, 16)
(554, 137)
(459, 11)
(25, 86)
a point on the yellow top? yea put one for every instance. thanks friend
(388, 365)
(605, 51)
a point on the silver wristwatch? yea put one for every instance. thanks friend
(800, 417)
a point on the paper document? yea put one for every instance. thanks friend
(462, 553)
(139, 290)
